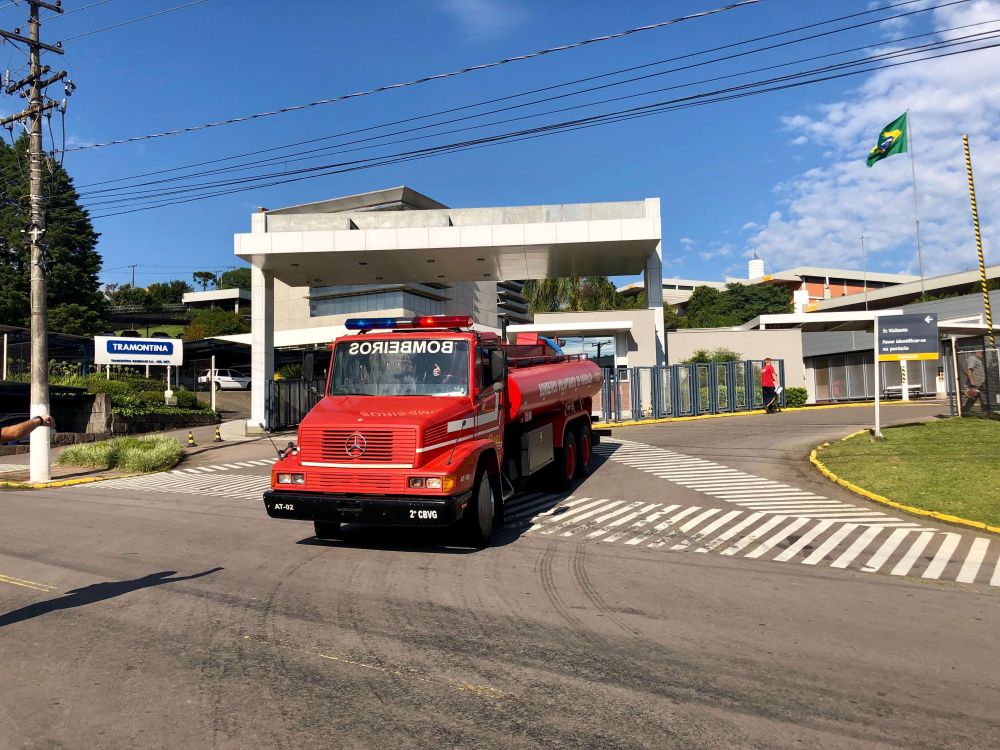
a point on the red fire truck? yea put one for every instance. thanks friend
(428, 422)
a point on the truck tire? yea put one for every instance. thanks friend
(327, 530)
(584, 448)
(564, 467)
(477, 522)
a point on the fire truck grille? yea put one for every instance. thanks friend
(355, 481)
(359, 446)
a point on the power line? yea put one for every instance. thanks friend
(123, 197)
(131, 20)
(417, 81)
(76, 10)
(553, 128)
(123, 190)
(547, 88)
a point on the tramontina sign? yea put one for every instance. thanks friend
(906, 337)
(128, 351)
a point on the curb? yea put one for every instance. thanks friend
(666, 420)
(946, 518)
(65, 482)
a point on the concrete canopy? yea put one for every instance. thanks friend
(337, 242)
(398, 236)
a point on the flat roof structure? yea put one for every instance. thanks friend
(399, 236)
(911, 291)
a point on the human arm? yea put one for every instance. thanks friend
(18, 431)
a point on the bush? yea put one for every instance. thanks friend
(188, 400)
(796, 396)
(125, 454)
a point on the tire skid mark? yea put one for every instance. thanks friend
(591, 592)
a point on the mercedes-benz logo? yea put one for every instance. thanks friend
(356, 445)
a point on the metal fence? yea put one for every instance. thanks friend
(628, 394)
(288, 401)
(978, 371)
(634, 393)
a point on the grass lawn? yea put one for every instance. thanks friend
(949, 466)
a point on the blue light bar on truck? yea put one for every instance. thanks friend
(425, 321)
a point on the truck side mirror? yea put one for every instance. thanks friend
(498, 365)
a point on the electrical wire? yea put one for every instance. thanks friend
(75, 10)
(417, 81)
(313, 153)
(550, 88)
(553, 128)
(132, 20)
(125, 196)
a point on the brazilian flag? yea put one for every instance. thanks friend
(892, 140)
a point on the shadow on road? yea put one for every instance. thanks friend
(96, 592)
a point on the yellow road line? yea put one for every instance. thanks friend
(66, 482)
(945, 517)
(480, 690)
(27, 584)
(664, 420)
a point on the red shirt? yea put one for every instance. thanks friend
(767, 376)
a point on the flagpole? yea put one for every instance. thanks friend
(916, 214)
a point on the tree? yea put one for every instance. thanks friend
(167, 292)
(76, 319)
(736, 304)
(126, 295)
(235, 278)
(574, 294)
(72, 259)
(207, 323)
(204, 279)
(718, 356)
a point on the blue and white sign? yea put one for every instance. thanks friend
(110, 350)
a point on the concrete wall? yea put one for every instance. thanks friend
(776, 344)
(635, 348)
(455, 217)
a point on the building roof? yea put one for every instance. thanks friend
(904, 293)
(395, 198)
(216, 295)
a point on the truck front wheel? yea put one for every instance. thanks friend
(564, 467)
(478, 518)
(327, 530)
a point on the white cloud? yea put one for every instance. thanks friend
(717, 251)
(823, 211)
(687, 242)
(481, 19)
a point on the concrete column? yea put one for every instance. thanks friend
(653, 281)
(261, 345)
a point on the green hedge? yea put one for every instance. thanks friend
(796, 396)
(130, 454)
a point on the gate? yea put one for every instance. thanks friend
(634, 393)
(288, 401)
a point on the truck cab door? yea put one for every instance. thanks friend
(489, 400)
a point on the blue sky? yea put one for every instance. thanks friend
(781, 174)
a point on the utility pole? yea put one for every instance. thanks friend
(133, 267)
(32, 87)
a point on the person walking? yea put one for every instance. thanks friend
(21, 430)
(768, 386)
(975, 382)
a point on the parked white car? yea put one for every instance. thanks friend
(229, 380)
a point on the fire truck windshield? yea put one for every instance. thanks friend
(401, 367)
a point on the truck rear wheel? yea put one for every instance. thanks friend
(327, 530)
(585, 448)
(478, 519)
(564, 467)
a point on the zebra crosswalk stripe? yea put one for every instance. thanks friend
(664, 525)
(640, 524)
(904, 565)
(830, 544)
(945, 551)
(730, 533)
(666, 538)
(859, 546)
(765, 547)
(973, 561)
(803, 541)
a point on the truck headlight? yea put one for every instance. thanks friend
(291, 478)
(420, 483)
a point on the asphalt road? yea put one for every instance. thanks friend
(171, 612)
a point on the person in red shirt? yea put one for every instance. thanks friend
(768, 384)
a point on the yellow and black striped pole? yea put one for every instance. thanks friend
(979, 243)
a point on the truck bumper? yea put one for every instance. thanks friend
(384, 510)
